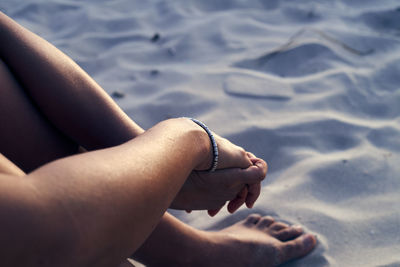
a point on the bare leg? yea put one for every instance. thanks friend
(63, 93)
(25, 133)
(7, 167)
(55, 84)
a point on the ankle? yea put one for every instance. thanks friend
(197, 251)
(216, 249)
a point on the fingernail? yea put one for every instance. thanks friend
(259, 164)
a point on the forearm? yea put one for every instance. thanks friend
(113, 198)
(63, 92)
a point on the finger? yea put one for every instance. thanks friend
(260, 163)
(212, 213)
(236, 203)
(254, 191)
(236, 178)
(251, 155)
(255, 173)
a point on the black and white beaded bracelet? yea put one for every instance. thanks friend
(213, 143)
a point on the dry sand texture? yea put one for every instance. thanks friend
(311, 86)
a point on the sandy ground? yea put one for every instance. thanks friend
(311, 87)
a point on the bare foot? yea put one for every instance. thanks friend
(257, 241)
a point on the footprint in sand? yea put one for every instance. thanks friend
(249, 86)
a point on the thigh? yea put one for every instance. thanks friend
(27, 138)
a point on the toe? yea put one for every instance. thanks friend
(265, 222)
(277, 226)
(252, 219)
(296, 248)
(289, 233)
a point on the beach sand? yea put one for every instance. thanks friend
(311, 87)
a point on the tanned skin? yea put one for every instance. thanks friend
(60, 207)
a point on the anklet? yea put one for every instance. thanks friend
(213, 143)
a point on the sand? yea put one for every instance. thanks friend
(311, 87)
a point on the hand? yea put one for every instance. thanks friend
(210, 191)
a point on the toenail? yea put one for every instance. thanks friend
(269, 218)
(297, 228)
(308, 242)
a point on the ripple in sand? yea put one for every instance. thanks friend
(387, 21)
(303, 59)
(308, 51)
(386, 137)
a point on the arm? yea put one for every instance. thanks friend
(210, 191)
(109, 199)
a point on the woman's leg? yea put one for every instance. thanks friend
(64, 94)
(27, 137)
